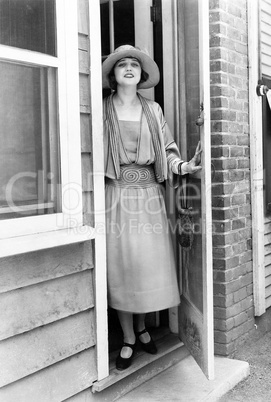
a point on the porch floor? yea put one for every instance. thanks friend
(185, 382)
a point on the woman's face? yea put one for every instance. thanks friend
(127, 71)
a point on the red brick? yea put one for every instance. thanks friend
(224, 139)
(218, 78)
(238, 199)
(226, 263)
(221, 4)
(224, 214)
(218, 53)
(219, 127)
(245, 210)
(223, 239)
(240, 294)
(237, 308)
(223, 114)
(242, 71)
(245, 257)
(221, 201)
(242, 95)
(236, 175)
(219, 66)
(222, 188)
(242, 329)
(217, 102)
(243, 164)
(220, 252)
(216, 29)
(224, 325)
(225, 164)
(234, 33)
(235, 127)
(223, 301)
(239, 248)
(221, 336)
(221, 227)
(242, 47)
(221, 90)
(245, 234)
(224, 349)
(234, 10)
(243, 140)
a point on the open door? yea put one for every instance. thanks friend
(196, 310)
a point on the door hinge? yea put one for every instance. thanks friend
(156, 15)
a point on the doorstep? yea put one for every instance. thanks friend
(185, 382)
(144, 367)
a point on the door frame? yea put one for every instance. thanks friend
(100, 280)
(172, 114)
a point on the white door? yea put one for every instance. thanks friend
(196, 310)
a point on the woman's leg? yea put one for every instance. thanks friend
(126, 322)
(146, 340)
(140, 325)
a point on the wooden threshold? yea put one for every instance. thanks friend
(165, 345)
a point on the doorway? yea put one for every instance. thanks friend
(184, 43)
(137, 23)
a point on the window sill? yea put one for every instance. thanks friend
(40, 241)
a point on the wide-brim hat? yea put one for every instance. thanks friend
(147, 64)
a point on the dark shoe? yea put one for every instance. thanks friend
(123, 363)
(150, 346)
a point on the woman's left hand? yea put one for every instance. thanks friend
(193, 166)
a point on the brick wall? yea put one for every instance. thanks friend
(233, 288)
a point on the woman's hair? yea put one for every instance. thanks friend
(112, 80)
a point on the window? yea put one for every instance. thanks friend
(29, 159)
(40, 166)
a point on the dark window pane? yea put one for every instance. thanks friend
(29, 141)
(28, 24)
(124, 23)
(105, 29)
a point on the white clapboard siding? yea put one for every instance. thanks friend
(84, 396)
(28, 269)
(30, 307)
(54, 383)
(266, 37)
(267, 260)
(34, 350)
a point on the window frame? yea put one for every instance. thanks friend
(70, 220)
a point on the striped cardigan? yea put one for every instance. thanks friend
(167, 156)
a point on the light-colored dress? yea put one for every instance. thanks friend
(141, 264)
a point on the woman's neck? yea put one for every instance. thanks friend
(128, 105)
(126, 97)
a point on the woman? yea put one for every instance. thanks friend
(140, 153)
